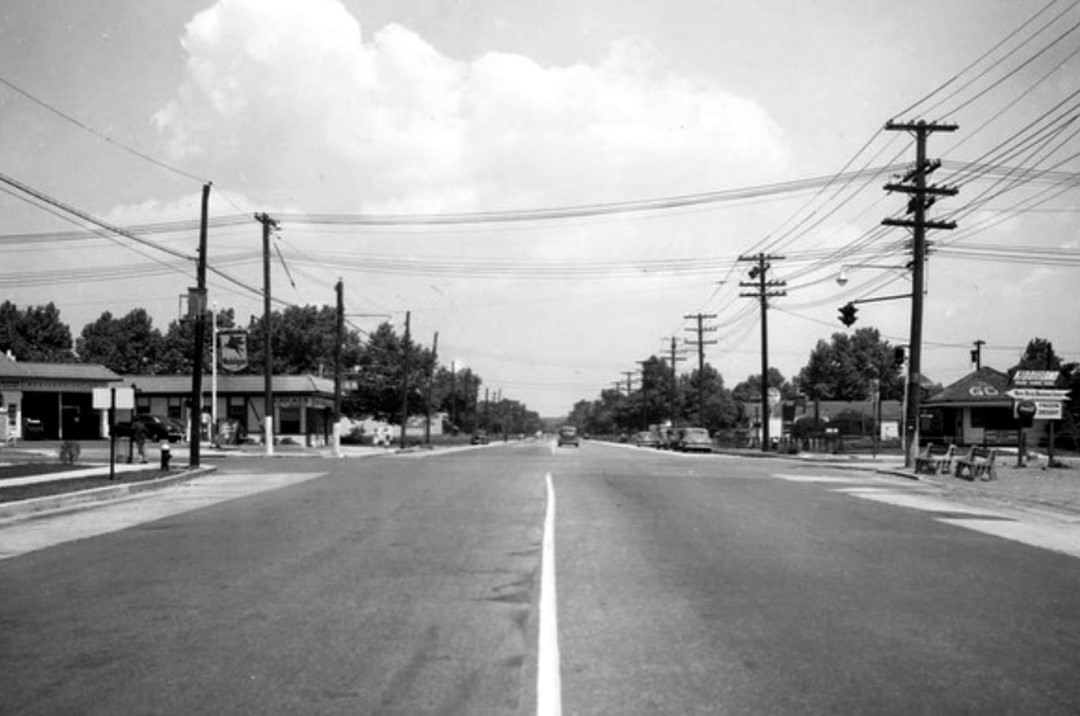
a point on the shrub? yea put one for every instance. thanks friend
(69, 452)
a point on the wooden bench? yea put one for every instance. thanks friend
(935, 459)
(978, 462)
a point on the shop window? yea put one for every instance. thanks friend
(175, 408)
(142, 404)
(290, 420)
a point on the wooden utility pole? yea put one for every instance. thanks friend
(675, 358)
(701, 329)
(197, 312)
(405, 378)
(268, 225)
(922, 198)
(430, 387)
(976, 353)
(765, 290)
(339, 338)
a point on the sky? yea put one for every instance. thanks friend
(551, 187)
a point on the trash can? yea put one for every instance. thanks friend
(166, 454)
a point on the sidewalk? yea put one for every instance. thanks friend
(1034, 487)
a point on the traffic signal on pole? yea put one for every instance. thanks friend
(898, 356)
(847, 313)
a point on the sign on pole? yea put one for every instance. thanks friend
(233, 350)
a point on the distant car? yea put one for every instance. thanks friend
(479, 437)
(693, 440)
(33, 429)
(158, 428)
(568, 435)
(646, 438)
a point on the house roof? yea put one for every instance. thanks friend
(241, 384)
(985, 386)
(18, 370)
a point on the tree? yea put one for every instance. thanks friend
(379, 373)
(35, 334)
(303, 341)
(179, 343)
(844, 368)
(1039, 355)
(128, 345)
(719, 405)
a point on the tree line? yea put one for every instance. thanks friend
(302, 342)
(845, 368)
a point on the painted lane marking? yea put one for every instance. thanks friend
(548, 683)
(1053, 536)
(824, 479)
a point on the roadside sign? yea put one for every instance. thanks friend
(1048, 410)
(1037, 394)
(125, 398)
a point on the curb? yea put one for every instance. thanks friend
(70, 501)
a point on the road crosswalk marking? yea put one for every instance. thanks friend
(1012, 524)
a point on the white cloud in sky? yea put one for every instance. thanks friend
(288, 100)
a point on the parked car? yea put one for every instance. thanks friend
(33, 429)
(479, 437)
(646, 438)
(568, 435)
(158, 428)
(693, 440)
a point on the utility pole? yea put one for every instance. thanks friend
(339, 338)
(268, 225)
(765, 290)
(430, 388)
(976, 354)
(922, 198)
(405, 379)
(675, 358)
(629, 382)
(644, 396)
(197, 309)
(701, 343)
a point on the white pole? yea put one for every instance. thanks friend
(213, 374)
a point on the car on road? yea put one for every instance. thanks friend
(646, 438)
(158, 428)
(568, 435)
(479, 437)
(693, 440)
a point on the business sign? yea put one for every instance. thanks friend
(103, 398)
(1035, 378)
(232, 350)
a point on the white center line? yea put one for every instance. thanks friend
(548, 685)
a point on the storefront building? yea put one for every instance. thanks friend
(302, 410)
(975, 410)
(52, 401)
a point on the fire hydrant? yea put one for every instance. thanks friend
(166, 454)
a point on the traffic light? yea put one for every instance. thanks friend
(898, 356)
(847, 313)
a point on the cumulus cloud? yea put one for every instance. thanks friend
(290, 102)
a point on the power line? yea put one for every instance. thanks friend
(101, 135)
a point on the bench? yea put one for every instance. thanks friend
(935, 459)
(978, 462)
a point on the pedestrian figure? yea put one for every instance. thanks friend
(138, 434)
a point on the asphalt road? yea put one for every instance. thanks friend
(404, 585)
